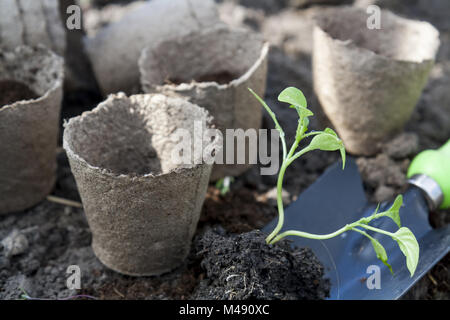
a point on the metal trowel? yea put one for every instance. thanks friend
(338, 198)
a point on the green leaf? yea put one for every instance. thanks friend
(303, 113)
(326, 141)
(394, 210)
(342, 151)
(409, 246)
(368, 219)
(305, 123)
(379, 249)
(380, 252)
(302, 127)
(330, 131)
(294, 97)
(297, 101)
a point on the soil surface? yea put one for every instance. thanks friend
(39, 244)
(241, 267)
(13, 91)
(238, 211)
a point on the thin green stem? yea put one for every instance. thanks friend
(279, 203)
(283, 143)
(311, 235)
(374, 229)
(280, 206)
(293, 148)
(275, 120)
(330, 235)
(286, 162)
(299, 137)
(312, 133)
(297, 155)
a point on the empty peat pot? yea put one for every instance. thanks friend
(368, 81)
(212, 68)
(142, 208)
(30, 101)
(114, 51)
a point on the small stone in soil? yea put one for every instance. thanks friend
(245, 267)
(13, 91)
(14, 244)
(272, 196)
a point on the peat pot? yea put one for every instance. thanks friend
(30, 102)
(142, 207)
(212, 68)
(368, 81)
(31, 23)
(114, 51)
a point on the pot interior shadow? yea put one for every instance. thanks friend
(218, 55)
(137, 135)
(397, 38)
(120, 141)
(13, 91)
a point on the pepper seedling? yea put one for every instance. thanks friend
(328, 140)
(224, 184)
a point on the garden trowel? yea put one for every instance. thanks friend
(338, 198)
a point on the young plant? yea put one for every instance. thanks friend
(328, 140)
(224, 185)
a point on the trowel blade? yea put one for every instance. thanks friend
(338, 198)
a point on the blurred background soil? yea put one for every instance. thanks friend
(51, 236)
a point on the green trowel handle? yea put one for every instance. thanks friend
(436, 165)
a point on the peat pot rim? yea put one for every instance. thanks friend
(186, 86)
(319, 21)
(132, 176)
(58, 65)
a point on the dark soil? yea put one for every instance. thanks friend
(13, 91)
(223, 77)
(179, 284)
(241, 267)
(237, 211)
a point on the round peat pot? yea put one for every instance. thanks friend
(212, 68)
(368, 81)
(114, 51)
(30, 102)
(142, 207)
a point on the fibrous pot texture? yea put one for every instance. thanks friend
(25, 22)
(114, 51)
(30, 102)
(212, 68)
(368, 81)
(142, 207)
